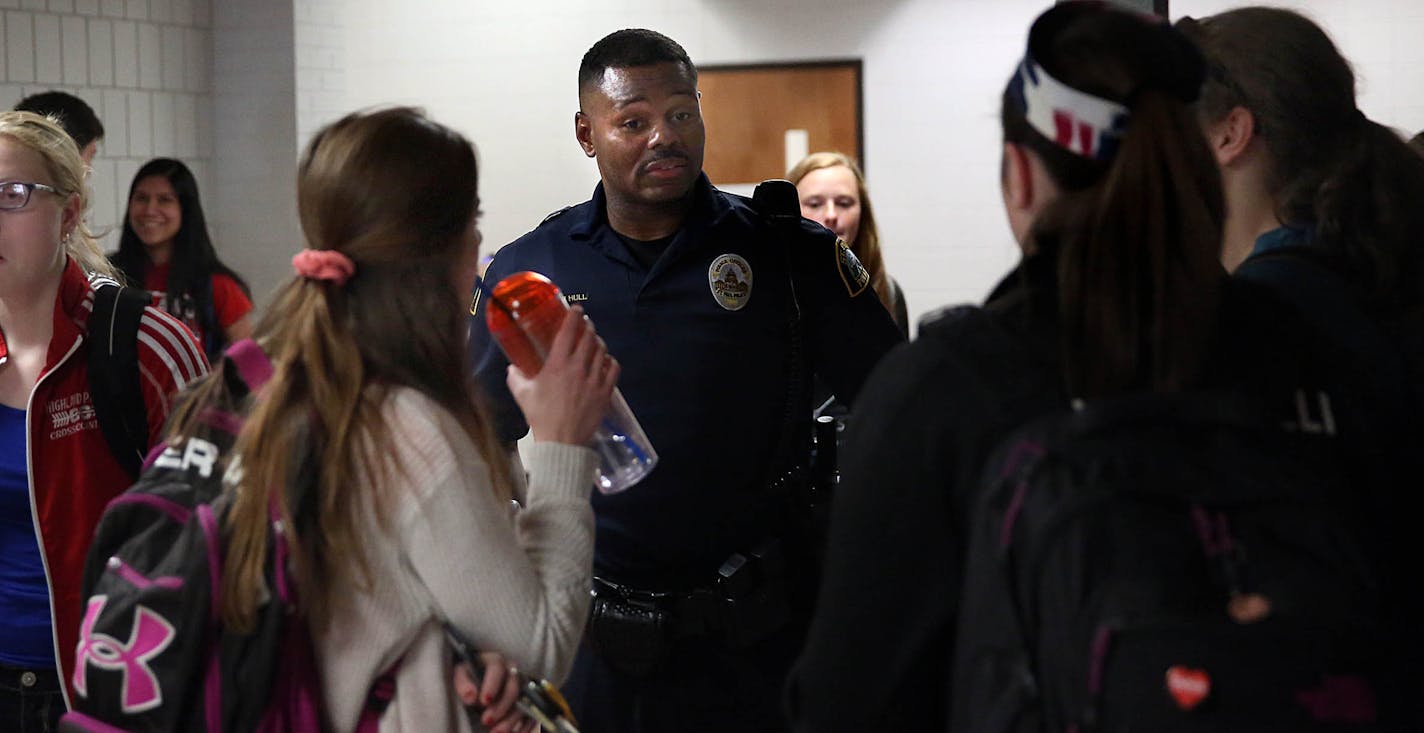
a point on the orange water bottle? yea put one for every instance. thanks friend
(523, 314)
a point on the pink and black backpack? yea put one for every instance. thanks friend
(153, 654)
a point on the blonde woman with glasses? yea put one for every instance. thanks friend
(56, 469)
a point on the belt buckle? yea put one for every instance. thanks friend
(645, 599)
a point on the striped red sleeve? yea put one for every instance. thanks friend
(169, 359)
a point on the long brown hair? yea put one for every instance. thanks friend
(867, 240)
(1138, 236)
(395, 193)
(1355, 181)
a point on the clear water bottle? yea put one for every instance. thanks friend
(524, 313)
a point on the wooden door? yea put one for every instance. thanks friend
(759, 116)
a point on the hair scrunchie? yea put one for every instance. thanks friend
(324, 264)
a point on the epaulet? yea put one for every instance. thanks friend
(554, 215)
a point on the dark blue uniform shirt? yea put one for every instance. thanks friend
(709, 383)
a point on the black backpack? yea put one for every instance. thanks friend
(1161, 564)
(114, 387)
(152, 651)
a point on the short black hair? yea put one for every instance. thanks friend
(74, 115)
(1417, 142)
(628, 48)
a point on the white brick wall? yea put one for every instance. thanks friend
(253, 136)
(49, 65)
(101, 52)
(75, 50)
(321, 72)
(140, 106)
(19, 46)
(143, 65)
(150, 69)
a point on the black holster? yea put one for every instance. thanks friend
(755, 589)
(634, 629)
(632, 637)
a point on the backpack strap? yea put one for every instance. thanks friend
(113, 374)
(378, 698)
(775, 201)
(253, 366)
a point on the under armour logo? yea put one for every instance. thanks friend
(151, 634)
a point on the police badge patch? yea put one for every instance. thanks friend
(853, 274)
(730, 278)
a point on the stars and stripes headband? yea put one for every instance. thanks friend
(1076, 121)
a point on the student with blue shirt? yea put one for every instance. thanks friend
(57, 471)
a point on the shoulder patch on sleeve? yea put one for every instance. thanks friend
(853, 274)
(554, 215)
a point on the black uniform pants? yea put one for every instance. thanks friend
(700, 687)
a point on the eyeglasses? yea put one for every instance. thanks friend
(16, 194)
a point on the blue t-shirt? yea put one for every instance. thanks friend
(26, 635)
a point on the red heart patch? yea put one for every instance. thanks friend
(1188, 686)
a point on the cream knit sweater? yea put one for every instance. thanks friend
(518, 585)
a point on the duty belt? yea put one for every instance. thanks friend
(700, 611)
(748, 597)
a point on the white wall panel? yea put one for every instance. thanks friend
(101, 52)
(150, 56)
(49, 55)
(19, 47)
(933, 73)
(239, 86)
(74, 35)
(126, 62)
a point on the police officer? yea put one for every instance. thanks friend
(717, 317)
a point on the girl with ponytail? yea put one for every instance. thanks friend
(1326, 210)
(1116, 204)
(1303, 167)
(369, 441)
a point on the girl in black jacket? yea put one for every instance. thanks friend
(1115, 201)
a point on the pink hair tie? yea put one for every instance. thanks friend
(324, 264)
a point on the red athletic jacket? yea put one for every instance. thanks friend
(73, 475)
